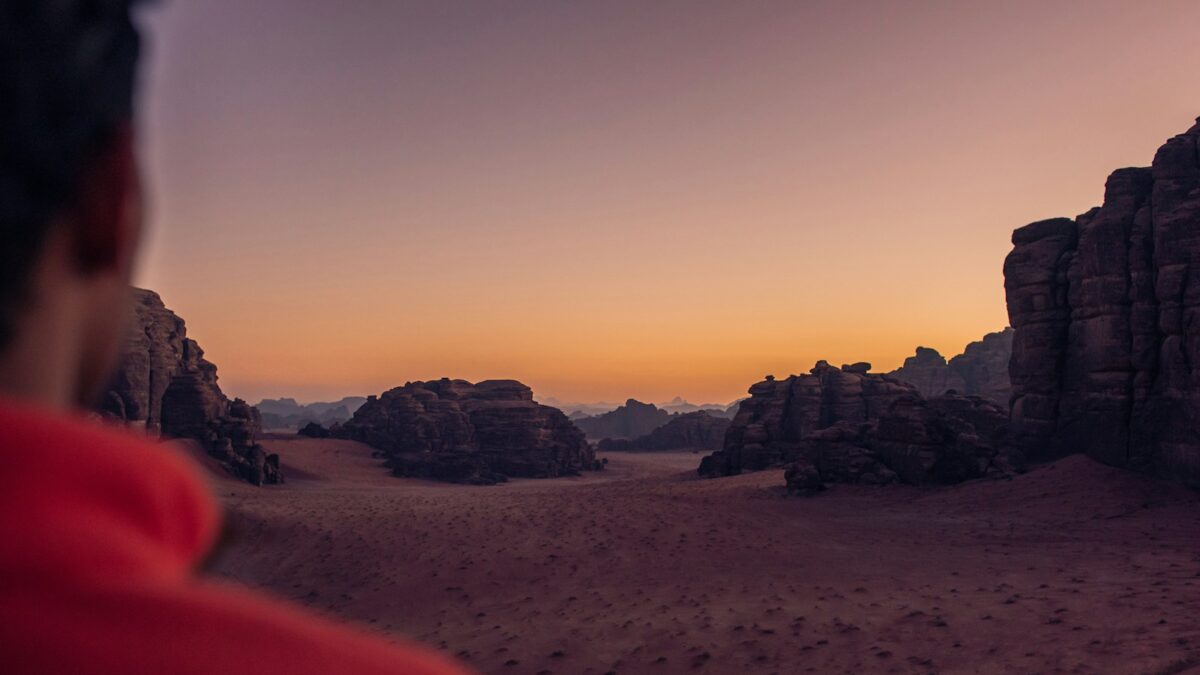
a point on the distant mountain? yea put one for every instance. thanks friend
(577, 410)
(288, 414)
(680, 405)
(698, 431)
(632, 420)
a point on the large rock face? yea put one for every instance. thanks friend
(698, 430)
(945, 440)
(981, 370)
(632, 420)
(165, 384)
(1106, 309)
(847, 425)
(456, 431)
(781, 413)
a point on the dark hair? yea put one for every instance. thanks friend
(67, 71)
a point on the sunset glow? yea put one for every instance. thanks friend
(624, 199)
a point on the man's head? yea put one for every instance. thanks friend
(69, 193)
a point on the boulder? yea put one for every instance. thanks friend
(1106, 313)
(456, 431)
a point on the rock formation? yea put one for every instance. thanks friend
(632, 420)
(930, 373)
(847, 425)
(687, 431)
(981, 370)
(314, 430)
(165, 384)
(945, 440)
(460, 432)
(1106, 309)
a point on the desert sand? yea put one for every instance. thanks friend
(644, 568)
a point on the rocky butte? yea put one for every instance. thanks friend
(165, 385)
(981, 370)
(837, 425)
(1106, 313)
(452, 430)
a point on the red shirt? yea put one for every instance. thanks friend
(100, 536)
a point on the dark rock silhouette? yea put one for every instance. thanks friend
(631, 420)
(945, 440)
(455, 431)
(847, 425)
(1106, 310)
(165, 384)
(287, 414)
(314, 430)
(687, 431)
(930, 373)
(981, 370)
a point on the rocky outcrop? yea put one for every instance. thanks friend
(981, 370)
(687, 431)
(632, 420)
(314, 430)
(848, 425)
(781, 413)
(455, 431)
(165, 384)
(945, 440)
(1106, 312)
(930, 373)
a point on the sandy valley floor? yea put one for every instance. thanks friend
(643, 568)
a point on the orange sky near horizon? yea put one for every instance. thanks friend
(624, 199)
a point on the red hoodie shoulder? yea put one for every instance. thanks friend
(102, 532)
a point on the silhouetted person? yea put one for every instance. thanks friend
(100, 531)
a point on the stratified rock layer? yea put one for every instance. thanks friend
(165, 384)
(688, 431)
(849, 426)
(981, 370)
(455, 431)
(1106, 312)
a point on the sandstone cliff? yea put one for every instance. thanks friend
(460, 432)
(981, 370)
(848, 425)
(165, 384)
(1106, 312)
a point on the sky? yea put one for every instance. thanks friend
(623, 199)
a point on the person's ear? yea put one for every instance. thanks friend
(107, 216)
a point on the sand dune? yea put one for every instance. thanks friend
(642, 568)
